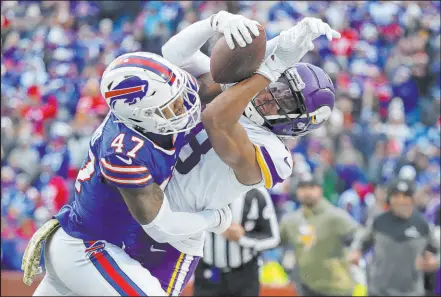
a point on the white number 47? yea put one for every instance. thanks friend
(86, 172)
(118, 144)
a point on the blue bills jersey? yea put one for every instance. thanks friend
(119, 157)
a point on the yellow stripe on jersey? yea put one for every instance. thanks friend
(264, 168)
(175, 273)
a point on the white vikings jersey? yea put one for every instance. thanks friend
(201, 180)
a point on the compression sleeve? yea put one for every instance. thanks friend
(170, 226)
(187, 42)
(197, 64)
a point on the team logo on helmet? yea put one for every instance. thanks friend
(131, 90)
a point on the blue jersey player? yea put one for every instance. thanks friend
(120, 186)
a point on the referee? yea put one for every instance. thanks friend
(230, 264)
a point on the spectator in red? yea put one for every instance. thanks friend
(91, 102)
(344, 46)
(54, 189)
(38, 112)
(55, 194)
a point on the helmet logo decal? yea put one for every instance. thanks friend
(131, 89)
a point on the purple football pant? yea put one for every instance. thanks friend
(172, 268)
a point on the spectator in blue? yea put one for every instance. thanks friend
(58, 155)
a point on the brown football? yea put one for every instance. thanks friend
(230, 66)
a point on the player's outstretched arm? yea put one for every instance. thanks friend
(228, 138)
(150, 208)
(183, 48)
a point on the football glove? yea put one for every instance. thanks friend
(234, 26)
(292, 46)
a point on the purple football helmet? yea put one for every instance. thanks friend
(300, 101)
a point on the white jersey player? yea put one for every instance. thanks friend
(210, 178)
(229, 153)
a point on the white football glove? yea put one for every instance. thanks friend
(234, 26)
(319, 28)
(272, 68)
(223, 219)
(292, 46)
(294, 43)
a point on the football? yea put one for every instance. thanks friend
(230, 66)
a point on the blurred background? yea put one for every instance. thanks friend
(386, 69)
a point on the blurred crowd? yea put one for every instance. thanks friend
(386, 122)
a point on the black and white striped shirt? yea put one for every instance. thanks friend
(255, 212)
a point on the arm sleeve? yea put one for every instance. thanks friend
(364, 237)
(267, 235)
(125, 172)
(197, 64)
(170, 226)
(181, 47)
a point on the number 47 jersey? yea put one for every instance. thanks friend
(201, 180)
(118, 158)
